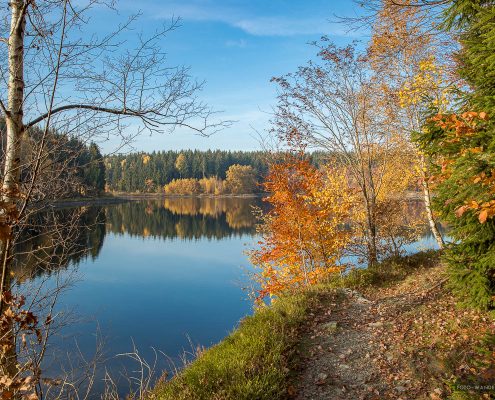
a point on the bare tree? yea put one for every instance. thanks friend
(62, 79)
(332, 104)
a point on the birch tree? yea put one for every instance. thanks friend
(407, 51)
(60, 76)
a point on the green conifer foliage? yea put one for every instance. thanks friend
(463, 145)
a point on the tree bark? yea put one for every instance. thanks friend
(14, 114)
(15, 129)
(427, 200)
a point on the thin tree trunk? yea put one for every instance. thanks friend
(370, 207)
(370, 200)
(15, 130)
(372, 248)
(15, 127)
(427, 200)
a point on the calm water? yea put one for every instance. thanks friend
(166, 274)
(160, 274)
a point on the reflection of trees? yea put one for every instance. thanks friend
(47, 243)
(186, 218)
(240, 217)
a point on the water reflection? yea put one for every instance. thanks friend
(184, 218)
(152, 272)
(54, 239)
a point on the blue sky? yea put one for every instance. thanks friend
(236, 47)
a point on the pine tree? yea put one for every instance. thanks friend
(463, 145)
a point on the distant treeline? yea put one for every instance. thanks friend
(150, 172)
(70, 167)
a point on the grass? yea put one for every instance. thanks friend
(388, 272)
(251, 363)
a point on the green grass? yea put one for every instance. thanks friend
(253, 362)
(388, 272)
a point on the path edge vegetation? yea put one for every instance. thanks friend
(258, 359)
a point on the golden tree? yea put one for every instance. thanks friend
(334, 103)
(240, 179)
(181, 164)
(304, 233)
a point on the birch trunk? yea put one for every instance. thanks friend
(15, 127)
(427, 200)
(15, 130)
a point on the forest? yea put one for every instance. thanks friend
(149, 173)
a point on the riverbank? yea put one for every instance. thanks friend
(394, 332)
(117, 198)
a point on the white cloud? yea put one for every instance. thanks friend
(252, 25)
(281, 26)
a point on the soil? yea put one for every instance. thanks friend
(402, 342)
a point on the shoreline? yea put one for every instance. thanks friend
(119, 198)
(122, 197)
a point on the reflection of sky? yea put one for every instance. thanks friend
(158, 293)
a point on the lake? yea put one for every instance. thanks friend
(164, 275)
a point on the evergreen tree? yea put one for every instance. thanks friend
(463, 145)
(94, 173)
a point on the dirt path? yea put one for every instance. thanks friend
(340, 350)
(400, 343)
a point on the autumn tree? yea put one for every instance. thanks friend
(181, 164)
(183, 187)
(304, 234)
(333, 103)
(212, 185)
(240, 179)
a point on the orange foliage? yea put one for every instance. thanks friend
(460, 130)
(303, 235)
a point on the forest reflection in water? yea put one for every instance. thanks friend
(185, 218)
(39, 250)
